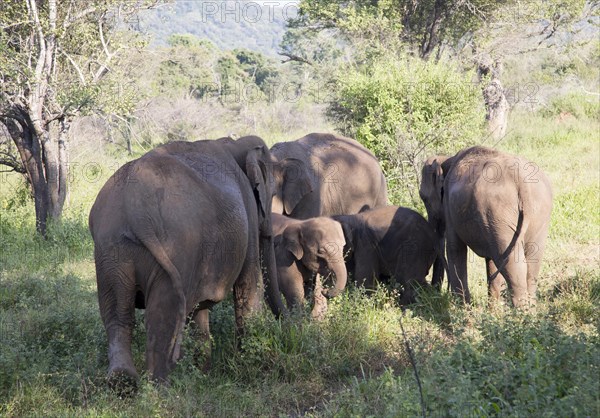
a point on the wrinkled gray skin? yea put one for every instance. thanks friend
(325, 175)
(386, 242)
(498, 205)
(174, 231)
(305, 249)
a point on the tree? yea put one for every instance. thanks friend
(425, 25)
(187, 69)
(56, 58)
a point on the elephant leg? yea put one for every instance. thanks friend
(116, 297)
(365, 268)
(319, 300)
(201, 332)
(247, 290)
(163, 327)
(413, 275)
(534, 253)
(495, 286)
(457, 266)
(515, 273)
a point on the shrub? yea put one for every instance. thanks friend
(404, 110)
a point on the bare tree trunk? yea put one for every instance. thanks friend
(496, 105)
(46, 167)
(496, 108)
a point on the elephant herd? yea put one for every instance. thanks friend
(180, 227)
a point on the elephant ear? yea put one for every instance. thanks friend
(296, 183)
(438, 178)
(257, 173)
(348, 233)
(291, 242)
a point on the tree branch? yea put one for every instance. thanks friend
(10, 161)
(74, 64)
(292, 57)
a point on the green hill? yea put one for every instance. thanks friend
(254, 25)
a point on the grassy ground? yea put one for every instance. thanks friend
(471, 362)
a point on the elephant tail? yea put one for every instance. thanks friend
(160, 255)
(513, 242)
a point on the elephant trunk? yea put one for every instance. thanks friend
(341, 277)
(272, 293)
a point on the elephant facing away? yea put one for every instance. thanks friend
(174, 231)
(391, 241)
(497, 204)
(305, 249)
(324, 175)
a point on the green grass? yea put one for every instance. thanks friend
(471, 362)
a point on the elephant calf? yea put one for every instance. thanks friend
(307, 248)
(389, 241)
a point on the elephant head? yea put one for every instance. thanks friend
(432, 191)
(318, 244)
(293, 181)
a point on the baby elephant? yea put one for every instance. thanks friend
(304, 248)
(390, 241)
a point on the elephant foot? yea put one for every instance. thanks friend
(202, 357)
(123, 381)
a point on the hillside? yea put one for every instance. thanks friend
(258, 26)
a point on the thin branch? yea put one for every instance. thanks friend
(23, 22)
(74, 64)
(42, 55)
(109, 55)
(413, 362)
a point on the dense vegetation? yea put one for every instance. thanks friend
(470, 361)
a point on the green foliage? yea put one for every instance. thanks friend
(518, 365)
(423, 25)
(404, 110)
(83, 78)
(240, 69)
(187, 68)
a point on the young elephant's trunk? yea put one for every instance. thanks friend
(341, 277)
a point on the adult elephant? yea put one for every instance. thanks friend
(497, 204)
(174, 231)
(324, 175)
(391, 241)
(306, 250)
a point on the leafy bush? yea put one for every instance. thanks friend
(405, 109)
(518, 365)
